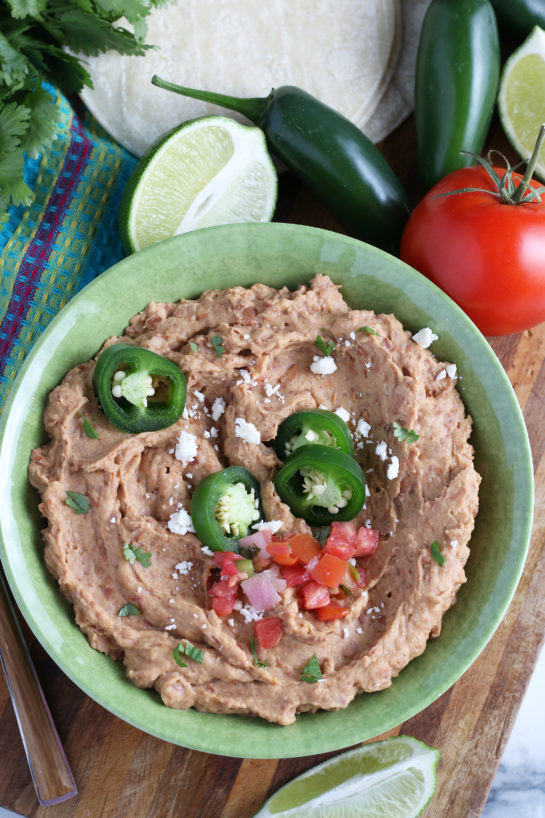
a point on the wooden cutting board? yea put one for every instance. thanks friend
(121, 771)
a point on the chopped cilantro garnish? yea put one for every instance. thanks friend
(322, 534)
(190, 650)
(345, 589)
(312, 671)
(327, 349)
(193, 346)
(403, 434)
(176, 655)
(88, 428)
(77, 502)
(129, 610)
(132, 554)
(217, 343)
(370, 330)
(256, 657)
(354, 571)
(436, 553)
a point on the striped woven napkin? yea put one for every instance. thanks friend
(67, 236)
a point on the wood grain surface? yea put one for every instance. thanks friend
(121, 771)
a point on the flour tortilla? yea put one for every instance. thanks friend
(342, 51)
(397, 101)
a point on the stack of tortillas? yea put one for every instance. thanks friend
(356, 55)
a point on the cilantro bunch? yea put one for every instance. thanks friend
(34, 38)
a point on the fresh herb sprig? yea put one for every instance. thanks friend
(436, 553)
(327, 349)
(133, 555)
(77, 502)
(257, 660)
(404, 435)
(217, 343)
(189, 650)
(38, 40)
(312, 671)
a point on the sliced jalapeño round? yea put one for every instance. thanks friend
(321, 484)
(224, 506)
(312, 426)
(139, 390)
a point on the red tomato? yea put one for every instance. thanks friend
(342, 550)
(223, 605)
(305, 547)
(329, 570)
(331, 611)
(268, 631)
(367, 540)
(222, 589)
(294, 575)
(487, 255)
(314, 596)
(281, 553)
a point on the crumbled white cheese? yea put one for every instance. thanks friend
(180, 522)
(170, 627)
(218, 408)
(353, 335)
(272, 525)
(363, 428)
(247, 431)
(246, 337)
(198, 395)
(343, 414)
(271, 390)
(231, 622)
(393, 468)
(441, 375)
(245, 375)
(207, 551)
(425, 337)
(250, 614)
(382, 450)
(323, 366)
(451, 370)
(453, 543)
(213, 432)
(184, 567)
(112, 519)
(186, 448)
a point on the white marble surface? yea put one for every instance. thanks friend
(518, 790)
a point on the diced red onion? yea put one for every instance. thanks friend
(260, 591)
(257, 539)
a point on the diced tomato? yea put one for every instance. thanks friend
(222, 588)
(305, 547)
(223, 605)
(342, 532)
(367, 541)
(331, 611)
(294, 575)
(314, 596)
(222, 556)
(268, 631)
(342, 550)
(281, 553)
(280, 537)
(329, 570)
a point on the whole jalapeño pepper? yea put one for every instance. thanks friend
(456, 80)
(329, 154)
(138, 390)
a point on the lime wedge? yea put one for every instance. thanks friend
(208, 171)
(521, 101)
(394, 778)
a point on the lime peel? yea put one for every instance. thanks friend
(394, 778)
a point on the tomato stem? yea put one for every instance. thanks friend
(530, 167)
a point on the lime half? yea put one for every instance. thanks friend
(521, 101)
(208, 171)
(394, 778)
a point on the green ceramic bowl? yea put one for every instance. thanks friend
(275, 254)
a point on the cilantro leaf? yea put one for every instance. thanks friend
(321, 344)
(193, 346)
(322, 534)
(217, 343)
(312, 671)
(189, 650)
(403, 434)
(78, 502)
(436, 553)
(133, 555)
(129, 610)
(254, 654)
(176, 655)
(370, 330)
(88, 427)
